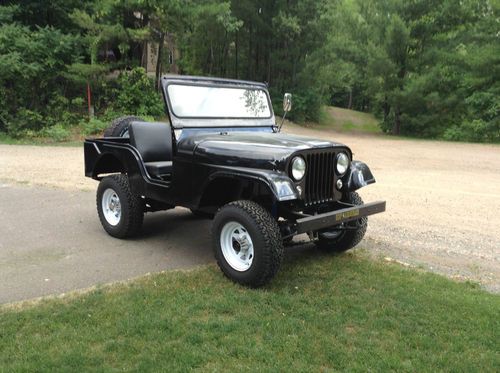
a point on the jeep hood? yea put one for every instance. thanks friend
(248, 149)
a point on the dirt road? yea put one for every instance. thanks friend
(443, 205)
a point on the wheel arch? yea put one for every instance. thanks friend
(223, 188)
(108, 163)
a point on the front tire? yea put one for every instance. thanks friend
(121, 213)
(338, 240)
(247, 243)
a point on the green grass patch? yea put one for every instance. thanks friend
(345, 120)
(39, 141)
(321, 313)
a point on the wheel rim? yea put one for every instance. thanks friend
(237, 246)
(111, 206)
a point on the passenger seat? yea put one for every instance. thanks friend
(154, 143)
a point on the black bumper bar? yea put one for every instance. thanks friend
(330, 219)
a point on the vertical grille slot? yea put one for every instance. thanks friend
(320, 177)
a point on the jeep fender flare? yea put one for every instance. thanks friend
(359, 176)
(279, 185)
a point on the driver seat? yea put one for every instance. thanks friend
(154, 142)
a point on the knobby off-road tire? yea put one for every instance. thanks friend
(119, 126)
(247, 219)
(113, 191)
(346, 239)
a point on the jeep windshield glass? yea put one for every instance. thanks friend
(189, 101)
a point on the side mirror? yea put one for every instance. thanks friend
(287, 102)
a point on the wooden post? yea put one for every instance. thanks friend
(89, 101)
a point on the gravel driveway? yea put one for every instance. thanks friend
(443, 199)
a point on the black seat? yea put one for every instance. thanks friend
(154, 143)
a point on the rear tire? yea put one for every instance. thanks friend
(339, 241)
(119, 126)
(121, 213)
(247, 243)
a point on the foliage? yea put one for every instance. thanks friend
(56, 133)
(306, 106)
(93, 126)
(30, 64)
(321, 313)
(136, 94)
(425, 67)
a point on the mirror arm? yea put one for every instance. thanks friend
(282, 121)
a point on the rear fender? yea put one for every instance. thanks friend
(103, 157)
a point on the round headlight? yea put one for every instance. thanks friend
(298, 168)
(342, 163)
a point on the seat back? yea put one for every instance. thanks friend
(152, 140)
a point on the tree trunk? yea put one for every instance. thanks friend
(396, 128)
(236, 56)
(225, 53)
(349, 105)
(158, 61)
(387, 109)
(250, 51)
(211, 59)
(256, 66)
(269, 67)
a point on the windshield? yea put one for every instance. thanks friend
(190, 101)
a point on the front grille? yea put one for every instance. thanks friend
(320, 175)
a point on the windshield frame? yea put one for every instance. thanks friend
(225, 86)
(204, 122)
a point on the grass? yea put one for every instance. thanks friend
(345, 120)
(41, 141)
(321, 313)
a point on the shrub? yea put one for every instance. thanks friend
(476, 131)
(23, 122)
(93, 126)
(136, 95)
(56, 133)
(306, 105)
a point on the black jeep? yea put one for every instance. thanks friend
(222, 155)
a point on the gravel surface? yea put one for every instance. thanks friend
(443, 199)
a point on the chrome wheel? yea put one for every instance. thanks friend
(237, 246)
(111, 207)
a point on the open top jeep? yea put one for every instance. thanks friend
(222, 156)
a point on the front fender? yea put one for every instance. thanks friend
(359, 176)
(280, 185)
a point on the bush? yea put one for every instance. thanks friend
(136, 95)
(476, 131)
(57, 133)
(306, 105)
(23, 123)
(93, 126)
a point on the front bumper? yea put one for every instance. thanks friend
(333, 218)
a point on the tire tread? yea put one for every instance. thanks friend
(273, 253)
(351, 238)
(133, 220)
(119, 124)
